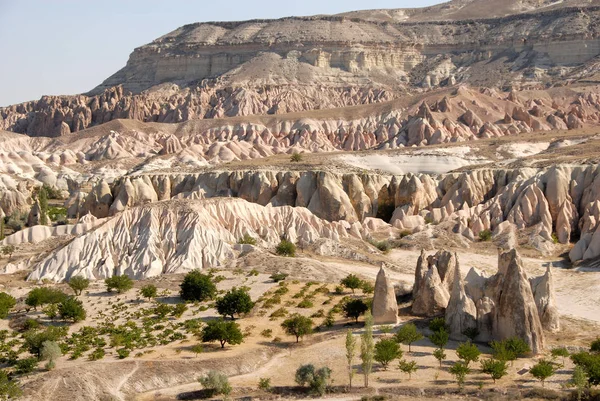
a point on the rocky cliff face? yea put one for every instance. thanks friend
(213, 70)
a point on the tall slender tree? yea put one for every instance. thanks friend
(350, 354)
(43, 199)
(367, 348)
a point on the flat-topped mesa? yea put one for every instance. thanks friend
(385, 306)
(505, 305)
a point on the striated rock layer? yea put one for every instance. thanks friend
(178, 236)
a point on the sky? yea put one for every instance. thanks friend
(56, 47)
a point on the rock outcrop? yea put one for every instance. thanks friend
(385, 307)
(178, 236)
(505, 305)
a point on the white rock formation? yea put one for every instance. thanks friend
(385, 307)
(178, 236)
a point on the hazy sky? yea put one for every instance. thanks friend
(53, 47)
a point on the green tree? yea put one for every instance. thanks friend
(286, 248)
(352, 282)
(43, 295)
(510, 349)
(595, 346)
(226, 332)
(1, 231)
(350, 354)
(438, 324)
(7, 302)
(408, 334)
(8, 250)
(72, 309)
(149, 291)
(440, 338)
(197, 287)
(354, 308)
(50, 353)
(367, 348)
(468, 352)
(297, 325)
(43, 201)
(560, 351)
(495, 368)
(215, 383)
(542, 370)
(440, 355)
(386, 350)
(235, 301)
(408, 367)
(460, 371)
(120, 283)
(78, 284)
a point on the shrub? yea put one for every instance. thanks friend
(264, 384)
(25, 366)
(471, 333)
(352, 282)
(468, 352)
(277, 277)
(595, 346)
(408, 367)
(590, 363)
(96, 354)
(197, 287)
(542, 370)
(367, 287)
(78, 284)
(178, 310)
(161, 309)
(495, 368)
(267, 333)
(460, 371)
(149, 291)
(386, 351)
(50, 352)
(305, 303)
(408, 334)
(123, 353)
(440, 338)
(7, 302)
(236, 301)
(355, 308)
(286, 248)
(197, 349)
(247, 239)
(34, 339)
(9, 389)
(296, 157)
(485, 235)
(72, 309)
(215, 383)
(298, 325)
(509, 349)
(560, 351)
(120, 283)
(440, 355)
(222, 331)
(383, 246)
(317, 380)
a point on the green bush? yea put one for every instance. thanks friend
(437, 324)
(9, 389)
(197, 287)
(264, 384)
(247, 239)
(386, 350)
(72, 309)
(352, 282)
(78, 284)
(120, 283)
(215, 383)
(97, 354)
(298, 326)
(286, 248)
(276, 277)
(296, 157)
(355, 308)
(149, 291)
(25, 366)
(7, 302)
(123, 353)
(485, 235)
(317, 380)
(305, 303)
